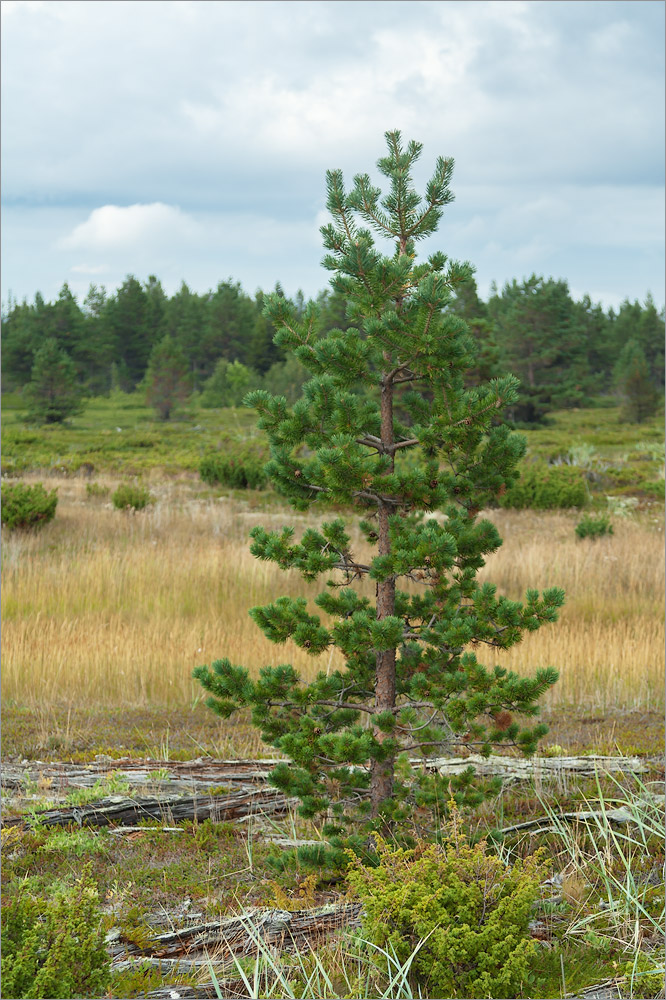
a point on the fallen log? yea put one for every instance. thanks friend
(205, 772)
(527, 768)
(243, 934)
(124, 811)
(171, 775)
(619, 817)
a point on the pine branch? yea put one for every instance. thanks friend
(369, 709)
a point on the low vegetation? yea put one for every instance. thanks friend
(105, 616)
(131, 496)
(27, 506)
(456, 910)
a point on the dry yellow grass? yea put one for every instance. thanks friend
(102, 607)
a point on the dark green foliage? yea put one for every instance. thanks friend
(53, 393)
(547, 487)
(415, 440)
(467, 910)
(54, 947)
(128, 317)
(541, 337)
(241, 471)
(166, 378)
(25, 506)
(286, 378)
(131, 496)
(228, 385)
(563, 350)
(632, 379)
(594, 527)
(644, 325)
(230, 325)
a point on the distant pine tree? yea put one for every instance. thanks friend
(166, 378)
(632, 380)
(53, 393)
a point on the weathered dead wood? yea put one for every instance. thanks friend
(189, 775)
(532, 768)
(620, 817)
(230, 989)
(237, 936)
(124, 811)
(205, 772)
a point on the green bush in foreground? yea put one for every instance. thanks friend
(54, 947)
(547, 487)
(467, 911)
(240, 472)
(130, 496)
(25, 506)
(594, 527)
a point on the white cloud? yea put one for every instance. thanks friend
(115, 227)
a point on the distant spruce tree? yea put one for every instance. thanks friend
(53, 393)
(411, 685)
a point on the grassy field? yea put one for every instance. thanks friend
(104, 607)
(105, 613)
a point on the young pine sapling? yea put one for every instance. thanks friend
(387, 427)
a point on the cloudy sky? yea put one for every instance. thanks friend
(190, 139)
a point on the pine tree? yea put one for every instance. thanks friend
(166, 377)
(632, 379)
(411, 685)
(541, 339)
(53, 393)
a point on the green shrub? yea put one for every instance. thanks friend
(467, 911)
(26, 506)
(594, 527)
(130, 496)
(547, 487)
(241, 472)
(54, 947)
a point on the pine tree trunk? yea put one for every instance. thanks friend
(382, 772)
